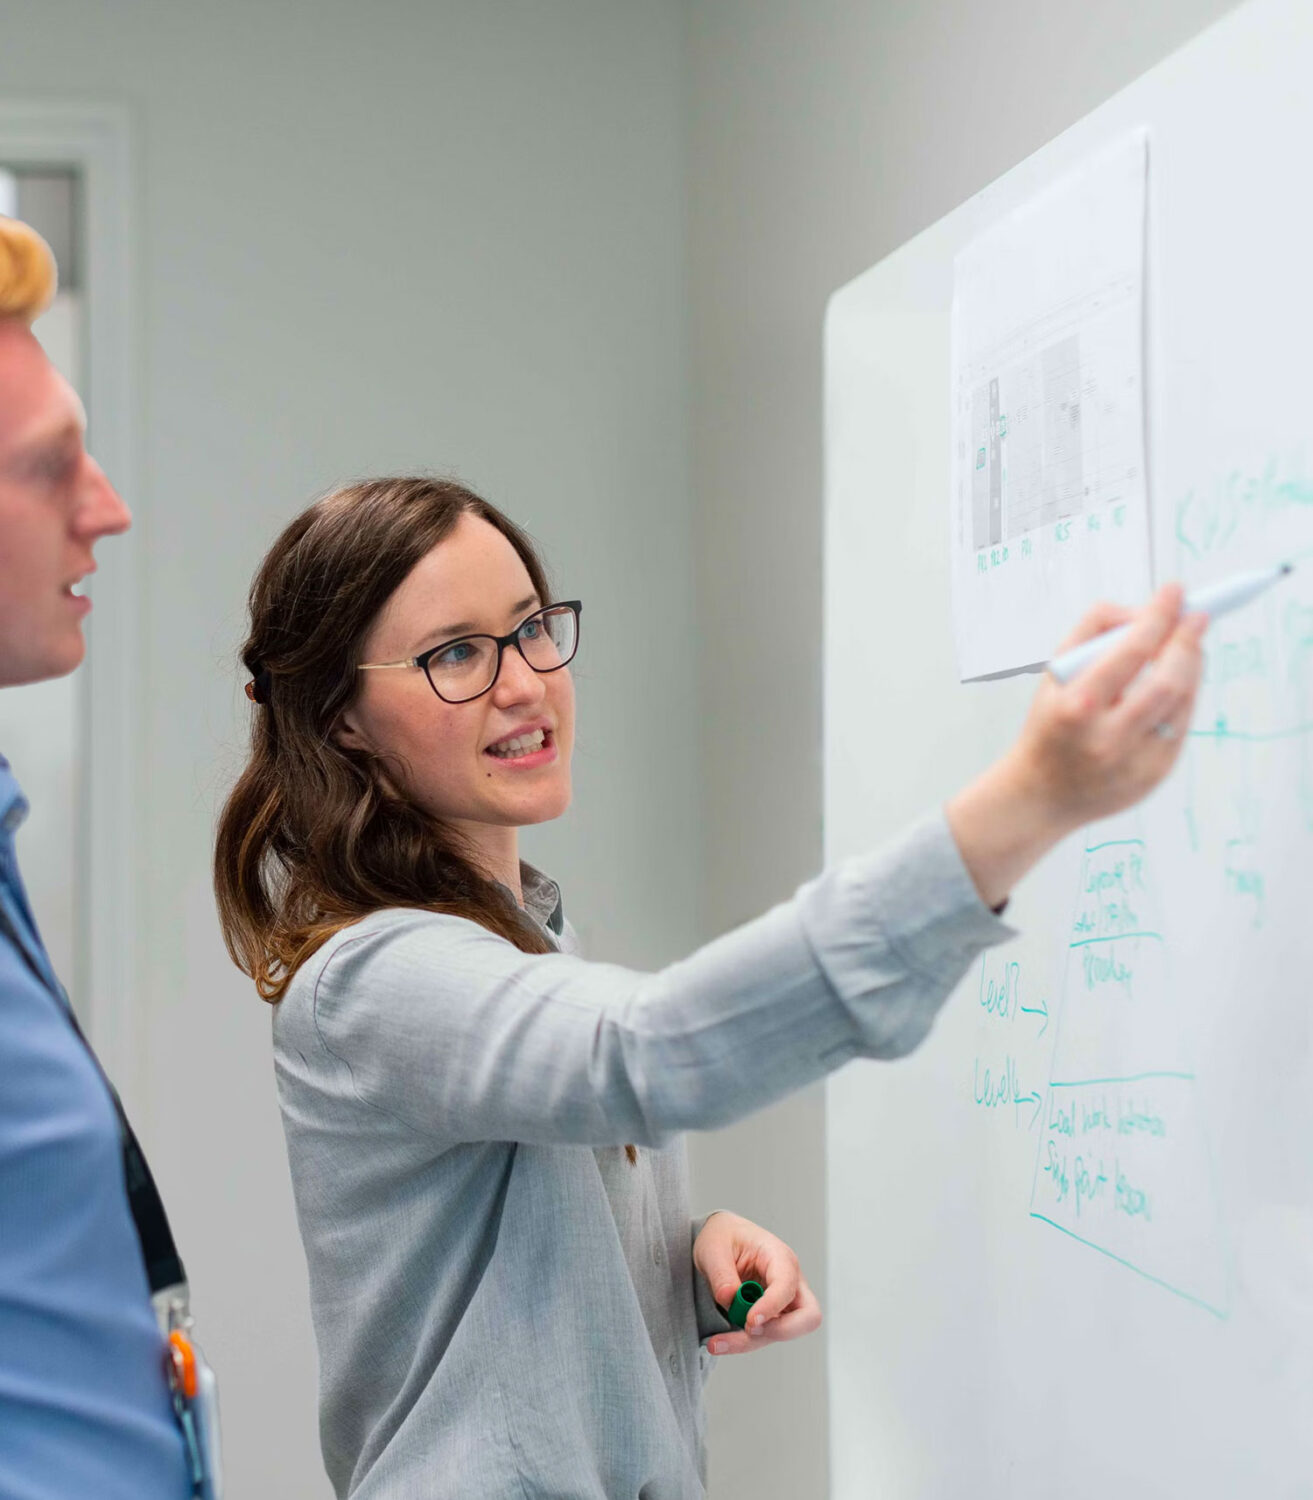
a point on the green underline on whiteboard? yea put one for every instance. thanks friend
(1114, 844)
(1080, 1083)
(1217, 1312)
(1117, 937)
(1251, 736)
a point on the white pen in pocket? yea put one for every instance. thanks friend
(1216, 599)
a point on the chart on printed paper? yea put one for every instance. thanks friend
(1049, 495)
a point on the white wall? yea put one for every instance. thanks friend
(822, 134)
(372, 238)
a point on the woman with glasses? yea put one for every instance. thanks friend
(484, 1129)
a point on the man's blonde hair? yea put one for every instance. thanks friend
(27, 271)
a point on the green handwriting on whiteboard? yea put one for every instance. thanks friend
(1209, 519)
(1121, 1161)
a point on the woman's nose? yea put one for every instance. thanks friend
(517, 682)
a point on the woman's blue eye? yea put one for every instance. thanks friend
(531, 630)
(456, 655)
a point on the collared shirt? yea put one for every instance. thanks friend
(84, 1406)
(505, 1307)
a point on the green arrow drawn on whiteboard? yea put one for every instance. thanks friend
(1038, 1101)
(1042, 1009)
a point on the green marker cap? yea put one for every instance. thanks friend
(747, 1294)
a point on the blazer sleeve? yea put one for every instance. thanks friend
(457, 1033)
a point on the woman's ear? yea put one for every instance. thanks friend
(347, 732)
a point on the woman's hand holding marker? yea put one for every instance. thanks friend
(1089, 747)
(731, 1250)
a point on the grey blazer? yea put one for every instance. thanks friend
(505, 1308)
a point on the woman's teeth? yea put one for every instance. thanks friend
(524, 744)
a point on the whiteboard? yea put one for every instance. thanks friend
(1071, 1238)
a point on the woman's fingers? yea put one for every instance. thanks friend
(1098, 618)
(1109, 677)
(778, 1272)
(1167, 693)
(730, 1250)
(802, 1318)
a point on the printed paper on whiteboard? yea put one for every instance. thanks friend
(1050, 510)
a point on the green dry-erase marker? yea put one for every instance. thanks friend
(747, 1294)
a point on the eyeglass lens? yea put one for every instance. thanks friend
(467, 668)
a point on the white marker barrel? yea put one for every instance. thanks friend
(1216, 599)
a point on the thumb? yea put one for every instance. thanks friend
(722, 1276)
(715, 1254)
(718, 1266)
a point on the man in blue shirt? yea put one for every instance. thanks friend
(85, 1411)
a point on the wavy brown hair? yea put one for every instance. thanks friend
(314, 836)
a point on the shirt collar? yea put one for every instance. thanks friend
(542, 899)
(13, 805)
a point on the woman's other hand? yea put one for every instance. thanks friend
(731, 1250)
(1089, 748)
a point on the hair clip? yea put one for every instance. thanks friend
(257, 690)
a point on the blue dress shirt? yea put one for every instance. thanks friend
(84, 1404)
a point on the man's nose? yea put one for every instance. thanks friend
(101, 511)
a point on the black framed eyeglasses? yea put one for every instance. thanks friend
(461, 670)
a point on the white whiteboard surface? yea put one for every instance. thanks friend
(985, 1340)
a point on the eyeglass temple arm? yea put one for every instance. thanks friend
(381, 666)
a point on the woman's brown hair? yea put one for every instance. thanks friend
(313, 836)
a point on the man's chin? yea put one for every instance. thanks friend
(19, 669)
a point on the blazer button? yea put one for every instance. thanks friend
(673, 1362)
(658, 1256)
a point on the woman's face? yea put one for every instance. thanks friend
(443, 754)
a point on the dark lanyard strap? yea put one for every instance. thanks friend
(163, 1266)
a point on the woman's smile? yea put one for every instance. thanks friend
(525, 747)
